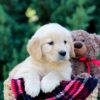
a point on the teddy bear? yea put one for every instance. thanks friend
(87, 48)
(86, 45)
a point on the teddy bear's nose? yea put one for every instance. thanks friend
(78, 45)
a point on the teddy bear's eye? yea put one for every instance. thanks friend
(74, 39)
(65, 41)
(51, 43)
(83, 40)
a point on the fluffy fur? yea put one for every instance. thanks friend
(47, 64)
(90, 48)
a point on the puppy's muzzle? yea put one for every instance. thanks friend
(62, 53)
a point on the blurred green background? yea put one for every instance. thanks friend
(19, 19)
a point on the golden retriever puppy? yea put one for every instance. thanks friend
(48, 64)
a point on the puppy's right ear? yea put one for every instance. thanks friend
(34, 48)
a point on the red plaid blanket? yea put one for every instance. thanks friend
(76, 89)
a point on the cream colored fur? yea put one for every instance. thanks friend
(45, 68)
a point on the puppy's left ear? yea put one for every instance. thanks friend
(72, 52)
(34, 48)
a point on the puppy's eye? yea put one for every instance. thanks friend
(83, 40)
(51, 43)
(65, 41)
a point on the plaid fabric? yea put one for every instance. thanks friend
(76, 89)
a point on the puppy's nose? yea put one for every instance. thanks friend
(78, 45)
(62, 53)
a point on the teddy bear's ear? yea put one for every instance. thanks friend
(96, 38)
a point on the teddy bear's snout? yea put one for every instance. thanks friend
(78, 45)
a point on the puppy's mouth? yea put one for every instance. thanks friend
(61, 59)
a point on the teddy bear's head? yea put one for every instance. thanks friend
(86, 44)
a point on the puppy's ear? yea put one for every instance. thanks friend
(72, 52)
(34, 48)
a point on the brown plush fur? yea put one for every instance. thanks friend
(92, 44)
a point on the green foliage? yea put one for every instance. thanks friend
(4, 35)
(1, 92)
(19, 19)
(69, 13)
(97, 16)
(14, 34)
(80, 19)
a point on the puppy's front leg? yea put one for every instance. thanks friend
(50, 82)
(32, 81)
(66, 72)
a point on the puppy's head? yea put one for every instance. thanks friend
(51, 42)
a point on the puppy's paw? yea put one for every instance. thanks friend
(49, 85)
(32, 89)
